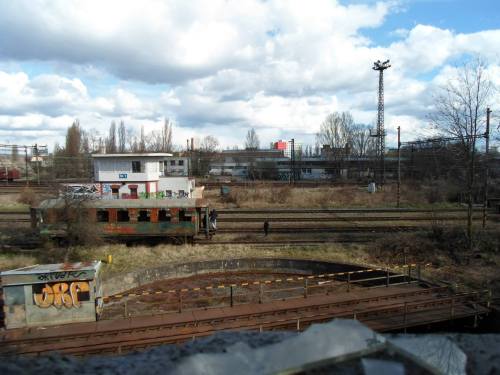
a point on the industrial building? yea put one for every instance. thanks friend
(142, 175)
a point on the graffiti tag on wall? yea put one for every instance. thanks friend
(162, 195)
(61, 294)
(53, 276)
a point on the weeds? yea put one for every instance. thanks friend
(28, 197)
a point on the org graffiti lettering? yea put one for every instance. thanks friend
(61, 294)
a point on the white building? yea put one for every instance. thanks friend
(297, 147)
(140, 175)
(176, 166)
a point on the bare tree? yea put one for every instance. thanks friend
(252, 140)
(131, 140)
(362, 144)
(167, 136)
(122, 137)
(336, 130)
(460, 112)
(111, 141)
(85, 142)
(209, 144)
(94, 139)
(73, 139)
(142, 141)
(336, 133)
(154, 141)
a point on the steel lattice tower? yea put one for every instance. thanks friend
(381, 66)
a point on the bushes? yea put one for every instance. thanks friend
(28, 196)
(440, 245)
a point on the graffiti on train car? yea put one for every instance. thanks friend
(62, 294)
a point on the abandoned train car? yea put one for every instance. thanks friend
(179, 220)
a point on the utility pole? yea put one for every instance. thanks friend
(37, 164)
(486, 165)
(292, 160)
(380, 67)
(399, 168)
(26, 164)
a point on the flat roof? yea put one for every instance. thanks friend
(57, 267)
(133, 155)
(43, 273)
(130, 203)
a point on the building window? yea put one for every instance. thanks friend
(136, 167)
(172, 162)
(164, 215)
(144, 215)
(102, 216)
(133, 192)
(184, 216)
(181, 163)
(122, 216)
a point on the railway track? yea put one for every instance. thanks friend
(384, 309)
(355, 210)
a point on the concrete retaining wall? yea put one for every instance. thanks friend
(121, 283)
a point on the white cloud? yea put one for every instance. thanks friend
(223, 66)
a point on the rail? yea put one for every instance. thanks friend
(247, 292)
(383, 313)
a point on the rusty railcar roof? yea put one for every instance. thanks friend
(126, 203)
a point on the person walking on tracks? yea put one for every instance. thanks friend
(212, 216)
(266, 228)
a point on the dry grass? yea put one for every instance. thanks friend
(126, 259)
(28, 197)
(9, 202)
(13, 261)
(479, 273)
(265, 196)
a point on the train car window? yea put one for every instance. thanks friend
(181, 162)
(61, 215)
(102, 216)
(136, 167)
(144, 215)
(168, 193)
(122, 216)
(164, 215)
(183, 216)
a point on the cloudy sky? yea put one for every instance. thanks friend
(220, 67)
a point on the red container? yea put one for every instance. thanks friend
(10, 174)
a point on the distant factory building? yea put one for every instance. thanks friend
(286, 147)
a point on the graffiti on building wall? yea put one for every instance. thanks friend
(61, 294)
(53, 276)
(162, 195)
